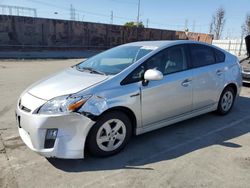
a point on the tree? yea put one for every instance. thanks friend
(217, 23)
(133, 24)
(211, 28)
(246, 26)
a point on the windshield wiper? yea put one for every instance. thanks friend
(90, 69)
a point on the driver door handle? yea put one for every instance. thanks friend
(186, 82)
(219, 72)
(135, 95)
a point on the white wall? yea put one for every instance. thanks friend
(236, 46)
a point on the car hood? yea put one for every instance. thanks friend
(66, 82)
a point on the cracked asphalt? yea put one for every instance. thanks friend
(206, 151)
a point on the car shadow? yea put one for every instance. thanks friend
(170, 142)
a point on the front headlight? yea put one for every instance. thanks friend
(63, 104)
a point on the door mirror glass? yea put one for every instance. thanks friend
(153, 74)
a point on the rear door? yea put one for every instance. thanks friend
(208, 74)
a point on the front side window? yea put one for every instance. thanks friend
(202, 55)
(114, 60)
(170, 60)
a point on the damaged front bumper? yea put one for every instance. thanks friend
(72, 130)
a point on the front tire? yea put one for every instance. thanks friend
(110, 134)
(226, 101)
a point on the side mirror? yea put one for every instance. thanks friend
(153, 74)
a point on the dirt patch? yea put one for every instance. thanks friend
(8, 181)
(243, 162)
(12, 138)
(5, 110)
(14, 145)
(13, 142)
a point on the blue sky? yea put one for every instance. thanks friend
(163, 14)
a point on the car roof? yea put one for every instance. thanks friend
(162, 43)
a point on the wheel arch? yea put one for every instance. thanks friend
(125, 110)
(233, 86)
(130, 114)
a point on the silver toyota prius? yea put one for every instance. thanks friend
(128, 90)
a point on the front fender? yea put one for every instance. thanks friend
(96, 105)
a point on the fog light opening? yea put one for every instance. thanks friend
(50, 138)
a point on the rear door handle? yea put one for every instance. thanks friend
(219, 72)
(186, 82)
(135, 95)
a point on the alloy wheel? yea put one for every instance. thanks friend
(227, 101)
(111, 135)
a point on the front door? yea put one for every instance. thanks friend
(171, 96)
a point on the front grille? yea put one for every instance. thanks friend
(244, 78)
(246, 69)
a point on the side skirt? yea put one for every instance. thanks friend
(172, 120)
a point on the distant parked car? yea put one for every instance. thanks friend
(130, 89)
(245, 63)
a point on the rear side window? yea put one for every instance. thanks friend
(202, 55)
(220, 56)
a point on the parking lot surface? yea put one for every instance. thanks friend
(206, 151)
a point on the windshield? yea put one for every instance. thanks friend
(114, 60)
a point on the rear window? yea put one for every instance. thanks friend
(220, 56)
(202, 55)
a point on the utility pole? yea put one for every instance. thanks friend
(138, 12)
(194, 23)
(72, 12)
(186, 24)
(10, 11)
(112, 17)
(35, 13)
(147, 23)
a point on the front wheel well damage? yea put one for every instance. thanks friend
(124, 110)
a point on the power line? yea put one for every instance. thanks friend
(159, 24)
(18, 10)
(125, 2)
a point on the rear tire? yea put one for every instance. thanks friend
(109, 135)
(226, 101)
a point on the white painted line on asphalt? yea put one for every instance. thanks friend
(232, 124)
